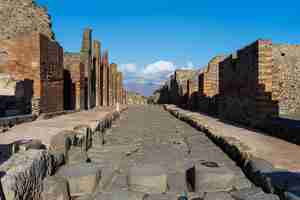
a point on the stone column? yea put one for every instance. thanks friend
(86, 59)
(97, 64)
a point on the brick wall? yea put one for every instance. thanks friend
(208, 84)
(246, 85)
(97, 64)
(86, 59)
(34, 57)
(114, 80)
(104, 79)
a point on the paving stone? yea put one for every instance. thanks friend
(121, 195)
(148, 178)
(83, 178)
(253, 193)
(55, 188)
(217, 196)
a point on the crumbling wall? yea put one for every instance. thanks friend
(286, 76)
(23, 16)
(208, 85)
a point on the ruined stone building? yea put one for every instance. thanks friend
(31, 61)
(256, 84)
(36, 62)
(97, 77)
(36, 76)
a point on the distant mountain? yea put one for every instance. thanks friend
(145, 89)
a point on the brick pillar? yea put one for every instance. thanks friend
(104, 79)
(109, 85)
(121, 87)
(97, 64)
(113, 67)
(86, 59)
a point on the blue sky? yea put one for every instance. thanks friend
(149, 39)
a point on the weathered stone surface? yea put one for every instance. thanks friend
(217, 196)
(24, 173)
(55, 188)
(62, 142)
(210, 177)
(83, 178)
(148, 178)
(23, 16)
(124, 195)
(30, 144)
(253, 193)
(76, 156)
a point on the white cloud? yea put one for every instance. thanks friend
(128, 68)
(152, 74)
(159, 67)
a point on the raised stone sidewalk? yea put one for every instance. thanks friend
(269, 159)
(44, 130)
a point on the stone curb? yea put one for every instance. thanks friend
(256, 169)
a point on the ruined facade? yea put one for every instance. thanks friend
(114, 71)
(34, 58)
(36, 76)
(96, 72)
(74, 82)
(208, 87)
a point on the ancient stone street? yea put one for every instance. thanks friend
(148, 151)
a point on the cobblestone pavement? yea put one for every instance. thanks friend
(149, 154)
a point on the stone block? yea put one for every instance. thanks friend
(55, 188)
(84, 135)
(62, 142)
(83, 178)
(25, 145)
(210, 177)
(148, 178)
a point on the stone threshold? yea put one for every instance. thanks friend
(270, 163)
